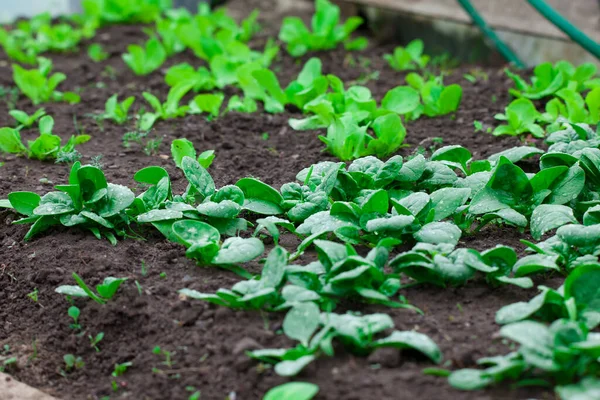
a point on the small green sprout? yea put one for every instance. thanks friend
(97, 53)
(119, 370)
(166, 354)
(94, 340)
(33, 295)
(72, 362)
(139, 287)
(74, 313)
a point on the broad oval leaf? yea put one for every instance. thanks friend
(301, 322)
(260, 198)
(412, 340)
(439, 232)
(237, 250)
(546, 217)
(292, 391)
(196, 232)
(24, 202)
(198, 176)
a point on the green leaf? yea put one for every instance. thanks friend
(87, 290)
(260, 198)
(301, 322)
(524, 310)
(109, 287)
(412, 340)
(24, 202)
(450, 99)
(196, 233)
(445, 201)
(292, 391)
(181, 148)
(54, 203)
(439, 232)
(582, 284)
(159, 215)
(534, 263)
(151, 175)
(10, 141)
(198, 176)
(579, 235)
(401, 100)
(546, 217)
(293, 367)
(207, 102)
(274, 269)
(469, 379)
(238, 250)
(117, 199)
(586, 389)
(74, 291)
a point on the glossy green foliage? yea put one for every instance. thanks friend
(47, 146)
(326, 32)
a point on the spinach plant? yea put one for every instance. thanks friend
(326, 34)
(201, 79)
(437, 99)
(47, 146)
(117, 111)
(24, 120)
(561, 353)
(521, 117)
(168, 110)
(408, 58)
(315, 331)
(548, 79)
(347, 140)
(39, 86)
(573, 300)
(145, 60)
(96, 53)
(87, 201)
(104, 291)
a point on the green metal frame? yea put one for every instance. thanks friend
(549, 13)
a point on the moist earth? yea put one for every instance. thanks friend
(208, 342)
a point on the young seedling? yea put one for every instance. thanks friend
(74, 313)
(33, 295)
(119, 370)
(117, 111)
(166, 354)
(409, 57)
(182, 147)
(46, 146)
(24, 120)
(94, 340)
(72, 362)
(105, 291)
(195, 395)
(326, 34)
(144, 61)
(97, 53)
(39, 86)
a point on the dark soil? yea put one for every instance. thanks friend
(208, 342)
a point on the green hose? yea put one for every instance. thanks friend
(502, 48)
(564, 25)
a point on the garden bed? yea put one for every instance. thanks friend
(209, 342)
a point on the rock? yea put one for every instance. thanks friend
(386, 357)
(245, 344)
